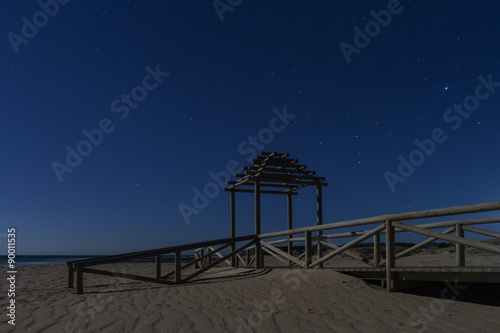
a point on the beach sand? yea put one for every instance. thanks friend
(247, 300)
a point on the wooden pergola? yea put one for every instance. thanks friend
(274, 173)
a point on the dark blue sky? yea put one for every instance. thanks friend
(84, 68)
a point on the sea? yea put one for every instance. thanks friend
(21, 260)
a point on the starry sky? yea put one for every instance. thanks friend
(115, 113)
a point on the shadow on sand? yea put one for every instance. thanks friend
(478, 293)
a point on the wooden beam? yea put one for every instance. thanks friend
(178, 275)
(158, 265)
(307, 250)
(319, 221)
(390, 260)
(79, 280)
(460, 249)
(71, 276)
(348, 253)
(282, 253)
(252, 191)
(232, 231)
(258, 252)
(376, 250)
(289, 223)
(126, 276)
(218, 261)
(483, 232)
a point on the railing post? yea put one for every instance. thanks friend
(390, 261)
(376, 250)
(308, 249)
(158, 265)
(460, 249)
(258, 250)
(79, 280)
(319, 220)
(290, 226)
(234, 262)
(177, 266)
(71, 276)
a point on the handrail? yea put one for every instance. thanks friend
(467, 209)
(149, 253)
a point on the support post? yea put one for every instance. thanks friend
(390, 254)
(71, 276)
(258, 250)
(308, 249)
(79, 280)
(290, 226)
(158, 266)
(459, 232)
(319, 219)
(234, 262)
(376, 250)
(178, 267)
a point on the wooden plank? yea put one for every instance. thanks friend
(282, 253)
(348, 245)
(449, 238)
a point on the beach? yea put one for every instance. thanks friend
(248, 300)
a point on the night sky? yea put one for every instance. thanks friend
(114, 113)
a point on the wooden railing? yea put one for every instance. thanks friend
(175, 276)
(388, 225)
(209, 254)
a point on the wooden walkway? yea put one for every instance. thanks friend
(248, 251)
(469, 274)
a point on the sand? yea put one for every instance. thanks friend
(245, 300)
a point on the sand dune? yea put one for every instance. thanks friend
(266, 300)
